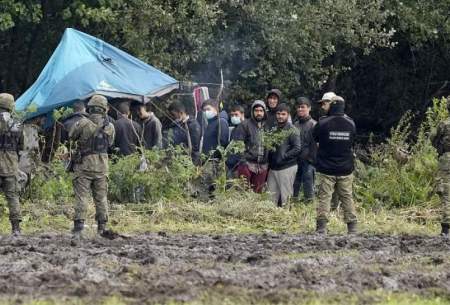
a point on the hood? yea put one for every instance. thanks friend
(277, 92)
(258, 103)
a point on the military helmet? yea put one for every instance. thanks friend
(98, 101)
(7, 101)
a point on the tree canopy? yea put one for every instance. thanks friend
(384, 56)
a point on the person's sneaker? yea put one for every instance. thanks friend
(445, 229)
(321, 227)
(352, 228)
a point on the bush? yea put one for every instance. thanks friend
(149, 177)
(401, 171)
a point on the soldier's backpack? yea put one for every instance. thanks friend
(9, 133)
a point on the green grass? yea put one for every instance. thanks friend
(237, 296)
(238, 214)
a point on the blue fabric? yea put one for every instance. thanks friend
(83, 65)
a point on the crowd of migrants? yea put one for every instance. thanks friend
(309, 149)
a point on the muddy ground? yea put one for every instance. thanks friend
(156, 268)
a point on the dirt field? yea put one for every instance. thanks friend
(157, 268)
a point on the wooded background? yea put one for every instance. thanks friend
(384, 57)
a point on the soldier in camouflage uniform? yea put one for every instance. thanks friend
(441, 141)
(11, 141)
(93, 135)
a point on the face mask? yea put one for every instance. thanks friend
(209, 114)
(235, 120)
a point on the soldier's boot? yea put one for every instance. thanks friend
(15, 227)
(321, 227)
(77, 232)
(352, 228)
(101, 228)
(445, 228)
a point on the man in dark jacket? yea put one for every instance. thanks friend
(151, 127)
(184, 131)
(127, 131)
(283, 160)
(237, 117)
(335, 134)
(253, 163)
(306, 171)
(216, 133)
(273, 99)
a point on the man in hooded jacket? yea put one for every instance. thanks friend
(254, 161)
(273, 99)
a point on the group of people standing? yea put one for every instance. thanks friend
(305, 147)
(283, 152)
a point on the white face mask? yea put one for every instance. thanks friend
(235, 120)
(209, 114)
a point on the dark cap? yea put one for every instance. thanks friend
(303, 101)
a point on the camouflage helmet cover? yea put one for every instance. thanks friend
(6, 101)
(98, 101)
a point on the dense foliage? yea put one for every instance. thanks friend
(384, 56)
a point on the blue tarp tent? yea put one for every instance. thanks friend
(83, 65)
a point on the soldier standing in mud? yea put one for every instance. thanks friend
(441, 141)
(335, 134)
(11, 141)
(93, 135)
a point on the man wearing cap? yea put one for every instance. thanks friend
(283, 160)
(306, 171)
(253, 164)
(273, 99)
(324, 104)
(93, 136)
(11, 142)
(335, 135)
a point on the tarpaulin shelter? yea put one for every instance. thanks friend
(83, 65)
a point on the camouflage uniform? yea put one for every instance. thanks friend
(441, 142)
(91, 171)
(11, 141)
(339, 187)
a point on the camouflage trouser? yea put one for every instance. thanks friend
(83, 187)
(11, 191)
(344, 189)
(443, 186)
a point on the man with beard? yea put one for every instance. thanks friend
(283, 160)
(253, 165)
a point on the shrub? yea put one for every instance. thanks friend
(391, 180)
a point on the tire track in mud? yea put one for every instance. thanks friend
(153, 268)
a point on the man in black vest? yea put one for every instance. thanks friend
(335, 134)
